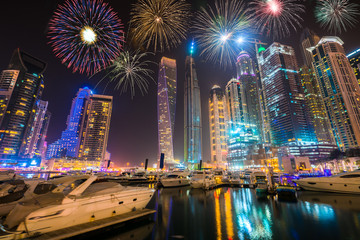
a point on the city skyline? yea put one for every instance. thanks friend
(123, 144)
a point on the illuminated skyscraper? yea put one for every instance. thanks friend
(35, 136)
(339, 89)
(289, 123)
(218, 128)
(192, 114)
(22, 83)
(166, 101)
(95, 130)
(69, 143)
(308, 39)
(315, 106)
(251, 99)
(241, 134)
(354, 58)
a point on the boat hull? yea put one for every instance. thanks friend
(79, 211)
(310, 185)
(175, 182)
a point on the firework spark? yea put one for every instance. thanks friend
(130, 70)
(159, 24)
(336, 15)
(276, 18)
(85, 34)
(219, 30)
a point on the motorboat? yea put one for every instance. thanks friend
(84, 201)
(9, 175)
(202, 179)
(175, 180)
(342, 183)
(219, 175)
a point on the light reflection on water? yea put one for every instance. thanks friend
(231, 213)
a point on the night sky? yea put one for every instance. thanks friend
(133, 131)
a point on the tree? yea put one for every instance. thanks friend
(336, 154)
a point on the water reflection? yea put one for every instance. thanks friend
(231, 213)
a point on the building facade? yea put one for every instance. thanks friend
(95, 130)
(69, 143)
(285, 100)
(192, 114)
(308, 39)
(354, 59)
(166, 101)
(23, 84)
(339, 89)
(218, 125)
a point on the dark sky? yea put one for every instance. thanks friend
(133, 132)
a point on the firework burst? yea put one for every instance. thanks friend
(85, 34)
(159, 24)
(336, 15)
(128, 71)
(276, 18)
(219, 30)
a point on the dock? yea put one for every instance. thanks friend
(86, 227)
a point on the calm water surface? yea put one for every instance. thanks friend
(234, 213)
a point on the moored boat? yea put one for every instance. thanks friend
(175, 180)
(341, 183)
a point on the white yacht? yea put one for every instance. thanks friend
(341, 183)
(92, 200)
(202, 179)
(175, 180)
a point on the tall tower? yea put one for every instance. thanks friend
(36, 134)
(250, 100)
(354, 58)
(241, 133)
(218, 127)
(23, 85)
(192, 114)
(289, 124)
(166, 100)
(308, 39)
(68, 144)
(95, 130)
(339, 89)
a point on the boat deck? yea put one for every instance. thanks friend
(95, 225)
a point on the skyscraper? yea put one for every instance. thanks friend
(23, 85)
(166, 101)
(35, 136)
(315, 106)
(308, 39)
(241, 134)
(339, 89)
(69, 143)
(251, 99)
(289, 123)
(192, 114)
(218, 128)
(354, 58)
(95, 130)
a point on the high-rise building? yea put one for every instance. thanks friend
(241, 134)
(23, 84)
(250, 89)
(354, 58)
(69, 143)
(192, 114)
(95, 130)
(218, 126)
(315, 106)
(339, 89)
(289, 123)
(166, 101)
(308, 39)
(35, 136)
